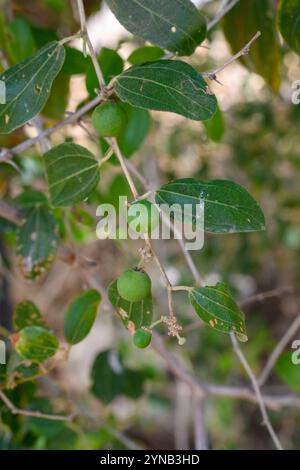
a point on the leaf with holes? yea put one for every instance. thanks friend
(167, 85)
(81, 316)
(38, 235)
(216, 307)
(27, 314)
(134, 315)
(228, 207)
(175, 25)
(28, 85)
(35, 343)
(72, 172)
(289, 22)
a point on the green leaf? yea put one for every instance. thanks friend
(27, 314)
(216, 307)
(175, 25)
(145, 54)
(37, 237)
(81, 316)
(288, 372)
(167, 85)
(241, 23)
(289, 21)
(135, 131)
(57, 103)
(45, 427)
(215, 127)
(72, 172)
(111, 65)
(110, 378)
(31, 198)
(28, 86)
(228, 207)
(20, 41)
(134, 315)
(75, 63)
(35, 343)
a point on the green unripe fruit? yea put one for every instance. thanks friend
(143, 216)
(142, 338)
(109, 119)
(134, 285)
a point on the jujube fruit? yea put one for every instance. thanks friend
(134, 285)
(109, 119)
(142, 338)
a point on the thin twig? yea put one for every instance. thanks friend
(286, 338)
(262, 296)
(35, 414)
(199, 418)
(86, 38)
(72, 118)
(260, 401)
(244, 51)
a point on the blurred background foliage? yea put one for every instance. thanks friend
(128, 398)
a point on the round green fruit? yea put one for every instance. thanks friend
(134, 285)
(109, 119)
(143, 216)
(142, 338)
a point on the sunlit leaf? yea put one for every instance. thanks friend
(81, 316)
(72, 172)
(28, 86)
(167, 85)
(216, 307)
(228, 207)
(175, 25)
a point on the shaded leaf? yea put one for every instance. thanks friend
(175, 25)
(59, 97)
(35, 343)
(241, 23)
(134, 315)
(288, 371)
(81, 316)
(228, 207)
(75, 63)
(215, 127)
(216, 307)
(111, 64)
(289, 22)
(39, 426)
(27, 314)
(145, 54)
(135, 131)
(20, 42)
(110, 378)
(167, 85)
(37, 237)
(28, 86)
(72, 172)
